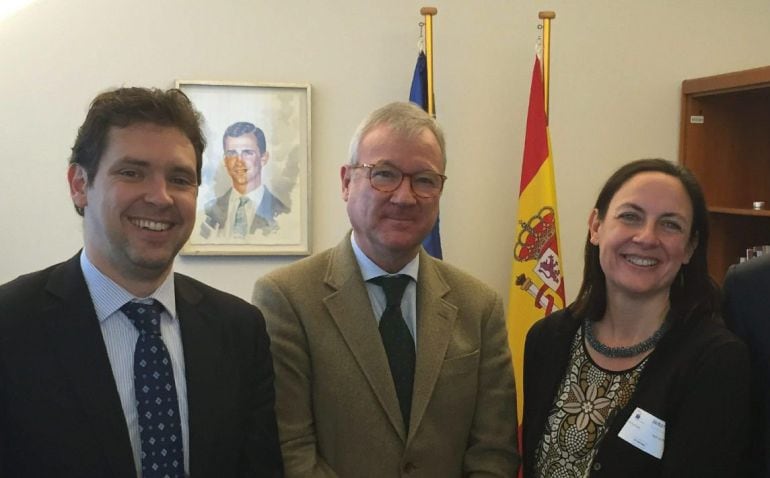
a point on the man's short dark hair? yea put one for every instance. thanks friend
(243, 127)
(127, 106)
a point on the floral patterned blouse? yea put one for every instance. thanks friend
(585, 404)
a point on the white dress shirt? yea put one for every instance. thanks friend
(370, 270)
(255, 198)
(120, 338)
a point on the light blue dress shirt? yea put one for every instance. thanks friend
(370, 270)
(120, 338)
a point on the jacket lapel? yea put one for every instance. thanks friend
(435, 320)
(351, 310)
(203, 374)
(78, 342)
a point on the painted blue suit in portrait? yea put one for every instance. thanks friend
(263, 220)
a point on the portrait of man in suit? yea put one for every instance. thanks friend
(248, 207)
(112, 365)
(390, 362)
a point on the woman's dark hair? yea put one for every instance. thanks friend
(126, 106)
(693, 292)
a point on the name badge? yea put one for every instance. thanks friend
(646, 432)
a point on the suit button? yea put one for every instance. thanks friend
(597, 466)
(409, 467)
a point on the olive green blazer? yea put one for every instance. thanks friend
(337, 410)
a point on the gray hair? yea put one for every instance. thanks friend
(407, 119)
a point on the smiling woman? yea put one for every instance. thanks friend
(638, 375)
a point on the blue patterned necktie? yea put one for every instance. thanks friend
(156, 400)
(398, 341)
(241, 225)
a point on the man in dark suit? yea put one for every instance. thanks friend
(111, 365)
(747, 313)
(389, 362)
(248, 206)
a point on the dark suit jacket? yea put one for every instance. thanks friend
(696, 380)
(264, 216)
(747, 312)
(338, 414)
(60, 413)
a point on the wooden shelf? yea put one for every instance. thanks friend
(728, 82)
(740, 212)
(725, 142)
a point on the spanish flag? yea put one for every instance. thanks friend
(537, 284)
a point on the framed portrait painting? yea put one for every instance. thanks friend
(254, 197)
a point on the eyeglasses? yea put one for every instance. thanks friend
(386, 178)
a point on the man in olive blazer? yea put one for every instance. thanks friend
(336, 402)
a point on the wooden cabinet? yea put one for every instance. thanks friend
(725, 141)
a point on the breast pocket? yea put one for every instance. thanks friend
(456, 391)
(460, 365)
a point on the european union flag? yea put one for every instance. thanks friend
(419, 92)
(419, 95)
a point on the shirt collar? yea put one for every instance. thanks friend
(370, 270)
(255, 196)
(108, 297)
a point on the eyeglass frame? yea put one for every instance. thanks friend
(370, 167)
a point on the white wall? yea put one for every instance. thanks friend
(617, 67)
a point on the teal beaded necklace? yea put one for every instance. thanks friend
(623, 352)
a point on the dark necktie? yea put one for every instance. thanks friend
(156, 400)
(398, 341)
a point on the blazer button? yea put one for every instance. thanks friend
(409, 467)
(597, 466)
